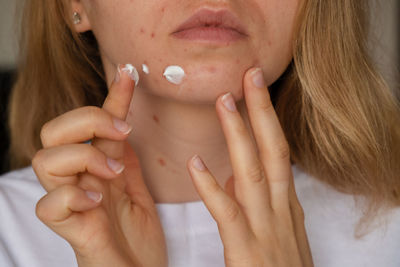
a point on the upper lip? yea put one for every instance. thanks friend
(210, 18)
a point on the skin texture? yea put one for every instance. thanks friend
(260, 220)
(187, 121)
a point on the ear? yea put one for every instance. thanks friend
(84, 24)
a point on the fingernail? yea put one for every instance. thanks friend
(198, 163)
(115, 166)
(122, 126)
(95, 196)
(131, 71)
(229, 102)
(258, 78)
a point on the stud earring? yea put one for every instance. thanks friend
(76, 18)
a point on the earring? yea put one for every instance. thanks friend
(76, 18)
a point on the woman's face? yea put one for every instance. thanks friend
(240, 34)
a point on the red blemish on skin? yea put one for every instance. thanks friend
(155, 118)
(152, 35)
(237, 61)
(142, 30)
(130, 113)
(212, 69)
(185, 49)
(163, 9)
(161, 161)
(145, 62)
(256, 62)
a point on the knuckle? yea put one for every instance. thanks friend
(96, 117)
(212, 188)
(44, 134)
(38, 160)
(232, 212)
(266, 105)
(92, 155)
(92, 113)
(67, 193)
(240, 130)
(256, 174)
(41, 211)
(88, 151)
(299, 212)
(91, 110)
(282, 150)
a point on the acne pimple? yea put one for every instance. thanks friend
(212, 69)
(155, 118)
(237, 61)
(174, 74)
(161, 161)
(142, 30)
(153, 35)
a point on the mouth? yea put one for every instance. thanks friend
(211, 26)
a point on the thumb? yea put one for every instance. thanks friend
(117, 104)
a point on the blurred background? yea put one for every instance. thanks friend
(384, 45)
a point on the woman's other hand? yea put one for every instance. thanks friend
(260, 220)
(97, 199)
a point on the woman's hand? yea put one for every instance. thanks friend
(121, 226)
(259, 217)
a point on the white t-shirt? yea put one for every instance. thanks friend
(192, 234)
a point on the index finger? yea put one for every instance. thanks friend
(273, 146)
(117, 104)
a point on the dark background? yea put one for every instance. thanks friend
(6, 79)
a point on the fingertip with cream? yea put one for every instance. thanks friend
(130, 70)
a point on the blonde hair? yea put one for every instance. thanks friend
(340, 117)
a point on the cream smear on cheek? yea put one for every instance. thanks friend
(174, 74)
(145, 69)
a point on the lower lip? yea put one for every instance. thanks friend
(209, 34)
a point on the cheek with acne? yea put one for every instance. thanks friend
(174, 74)
(161, 162)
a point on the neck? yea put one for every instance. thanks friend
(166, 134)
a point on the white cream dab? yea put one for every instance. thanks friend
(145, 69)
(132, 72)
(174, 74)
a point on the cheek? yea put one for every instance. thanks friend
(125, 29)
(276, 42)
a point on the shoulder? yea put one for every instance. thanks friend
(22, 235)
(331, 218)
